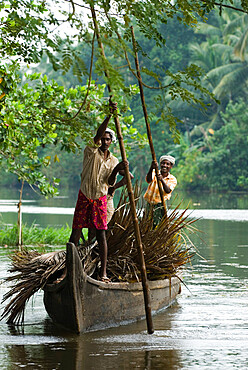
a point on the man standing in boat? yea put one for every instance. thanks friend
(100, 169)
(168, 181)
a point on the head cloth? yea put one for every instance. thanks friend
(111, 133)
(167, 158)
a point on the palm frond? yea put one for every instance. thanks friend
(232, 81)
(240, 48)
(208, 29)
(232, 26)
(221, 71)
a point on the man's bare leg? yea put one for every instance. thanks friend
(103, 251)
(75, 236)
(91, 234)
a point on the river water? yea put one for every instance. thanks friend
(206, 328)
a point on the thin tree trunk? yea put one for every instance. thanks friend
(146, 290)
(19, 220)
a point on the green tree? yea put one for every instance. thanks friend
(26, 29)
(224, 165)
(48, 106)
(35, 119)
(226, 74)
(229, 79)
(114, 19)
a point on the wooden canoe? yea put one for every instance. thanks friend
(80, 303)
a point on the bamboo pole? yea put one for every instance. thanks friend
(148, 128)
(146, 290)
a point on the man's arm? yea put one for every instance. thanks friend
(119, 167)
(154, 164)
(104, 125)
(119, 184)
(166, 188)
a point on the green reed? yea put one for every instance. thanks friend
(35, 235)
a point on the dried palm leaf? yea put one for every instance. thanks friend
(31, 271)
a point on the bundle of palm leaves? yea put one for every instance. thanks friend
(167, 248)
(31, 271)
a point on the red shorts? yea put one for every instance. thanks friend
(90, 213)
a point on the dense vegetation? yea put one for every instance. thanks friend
(64, 110)
(34, 235)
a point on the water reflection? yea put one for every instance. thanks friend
(224, 246)
(208, 200)
(117, 348)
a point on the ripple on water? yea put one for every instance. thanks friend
(26, 340)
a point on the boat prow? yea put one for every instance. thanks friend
(80, 303)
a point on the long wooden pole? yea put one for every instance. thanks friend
(148, 128)
(146, 290)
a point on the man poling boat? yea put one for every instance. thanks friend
(168, 181)
(100, 169)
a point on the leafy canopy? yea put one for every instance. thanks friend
(41, 112)
(37, 117)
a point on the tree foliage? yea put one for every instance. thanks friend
(43, 113)
(224, 163)
(37, 117)
(24, 32)
(215, 156)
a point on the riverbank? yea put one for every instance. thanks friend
(34, 235)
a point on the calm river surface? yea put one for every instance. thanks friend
(206, 328)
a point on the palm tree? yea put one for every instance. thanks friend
(231, 77)
(223, 56)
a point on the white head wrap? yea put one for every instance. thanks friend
(167, 158)
(112, 134)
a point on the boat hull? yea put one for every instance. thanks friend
(80, 303)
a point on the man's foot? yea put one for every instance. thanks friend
(104, 279)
